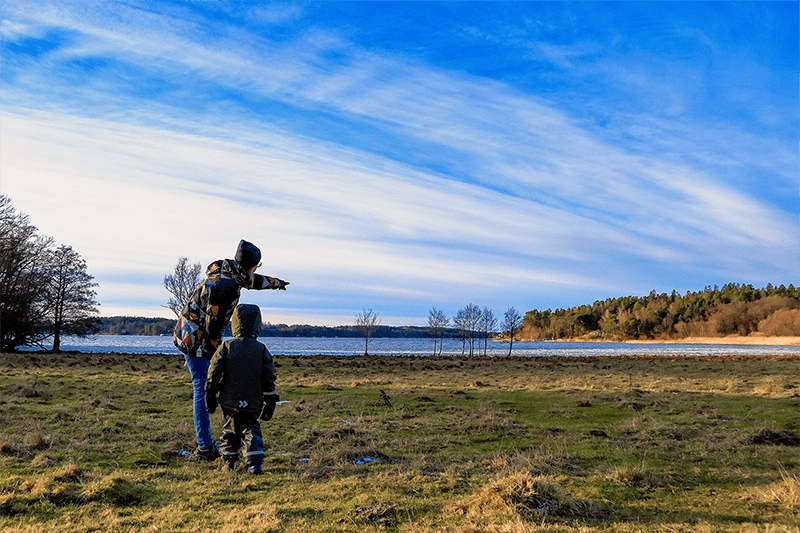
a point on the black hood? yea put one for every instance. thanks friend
(246, 321)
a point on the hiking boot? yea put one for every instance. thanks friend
(228, 467)
(206, 455)
(255, 470)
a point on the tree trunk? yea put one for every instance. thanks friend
(57, 341)
(57, 335)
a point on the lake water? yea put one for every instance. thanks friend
(405, 347)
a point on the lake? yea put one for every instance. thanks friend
(406, 347)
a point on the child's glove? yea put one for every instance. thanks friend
(211, 402)
(269, 401)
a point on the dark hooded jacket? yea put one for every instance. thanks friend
(242, 370)
(209, 309)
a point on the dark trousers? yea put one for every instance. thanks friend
(241, 430)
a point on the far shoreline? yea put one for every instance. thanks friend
(738, 340)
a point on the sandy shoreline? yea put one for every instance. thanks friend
(753, 340)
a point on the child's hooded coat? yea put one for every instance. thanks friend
(242, 370)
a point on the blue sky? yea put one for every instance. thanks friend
(403, 156)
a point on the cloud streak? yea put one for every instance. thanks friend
(370, 178)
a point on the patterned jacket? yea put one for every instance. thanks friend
(242, 370)
(209, 309)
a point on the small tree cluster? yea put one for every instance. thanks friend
(471, 324)
(437, 322)
(44, 291)
(466, 322)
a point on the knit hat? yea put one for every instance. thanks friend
(247, 255)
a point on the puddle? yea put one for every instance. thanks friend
(181, 453)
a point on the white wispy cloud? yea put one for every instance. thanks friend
(362, 174)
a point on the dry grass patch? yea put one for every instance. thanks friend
(117, 489)
(785, 493)
(637, 476)
(256, 518)
(543, 461)
(523, 495)
(651, 427)
(48, 489)
(68, 473)
(780, 496)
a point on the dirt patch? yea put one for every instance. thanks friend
(774, 438)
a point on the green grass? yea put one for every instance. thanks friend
(634, 444)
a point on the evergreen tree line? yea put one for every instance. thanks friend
(298, 330)
(733, 309)
(45, 291)
(135, 325)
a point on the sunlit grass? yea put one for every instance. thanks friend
(638, 444)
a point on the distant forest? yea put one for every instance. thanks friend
(135, 325)
(713, 312)
(125, 325)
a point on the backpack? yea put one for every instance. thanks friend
(186, 335)
(188, 331)
(191, 324)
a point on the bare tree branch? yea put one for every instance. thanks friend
(181, 284)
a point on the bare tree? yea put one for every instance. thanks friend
(71, 297)
(23, 280)
(461, 324)
(472, 314)
(488, 325)
(43, 292)
(511, 321)
(466, 321)
(437, 321)
(367, 322)
(181, 284)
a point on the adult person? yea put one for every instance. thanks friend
(205, 316)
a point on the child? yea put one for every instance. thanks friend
(243, 374)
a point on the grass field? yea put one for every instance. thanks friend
(634, 444)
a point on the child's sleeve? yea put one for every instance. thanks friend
(216, 369)
(268, 375)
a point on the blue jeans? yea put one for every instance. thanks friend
(198, 368)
